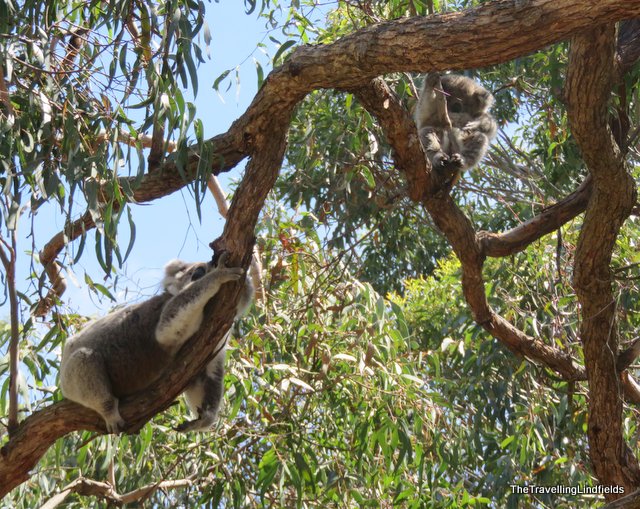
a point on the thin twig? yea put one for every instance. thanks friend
(8, 259)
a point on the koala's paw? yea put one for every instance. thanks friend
(456, 162)
(115, 425)
(222, 261)
(440, 161)
(229, 274)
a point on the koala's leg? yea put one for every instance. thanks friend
(434, 148)
(441, 147)
(204, 395)
(182, 315)
(84, 379)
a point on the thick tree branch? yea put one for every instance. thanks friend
(588, 90)
(401, 133)
(549, 220)
(255, 269)
(628, 356)
(467, 246)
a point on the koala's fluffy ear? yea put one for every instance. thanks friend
(174, 266)
(171, 270)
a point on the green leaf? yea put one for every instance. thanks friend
(284, 47)
(259, 72)
(132, 233)
(220, 78)
(251, 6)
(507, 441)
(193, 72)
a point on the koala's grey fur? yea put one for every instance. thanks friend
(454, 122)
(204, 395)
(126, 351)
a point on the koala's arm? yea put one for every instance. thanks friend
(431, 110)
(182, 315)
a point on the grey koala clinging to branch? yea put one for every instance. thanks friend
(454, 123)
(126, 351)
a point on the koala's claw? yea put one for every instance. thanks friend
(222, 261)
(440, 161)
(455, 162)
(230, 274)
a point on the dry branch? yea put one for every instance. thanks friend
(106, 491)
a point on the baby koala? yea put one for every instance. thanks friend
(126, 351)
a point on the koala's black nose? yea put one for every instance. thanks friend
(198, 273)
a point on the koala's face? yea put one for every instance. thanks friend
(466, 100)
(178, 275)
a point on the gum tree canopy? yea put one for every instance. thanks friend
(503, 352)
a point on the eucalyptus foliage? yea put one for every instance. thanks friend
(358, 382)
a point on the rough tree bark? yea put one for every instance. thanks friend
(588, 90)
(500, 31)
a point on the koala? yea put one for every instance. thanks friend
(126, 351)
(454, 123)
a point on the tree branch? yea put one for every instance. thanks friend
(5, 97)
(549, 220)
(255, 269)
(588, 90)
(8, 260)
(106, 491)
(631, 501)
(629, 44)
